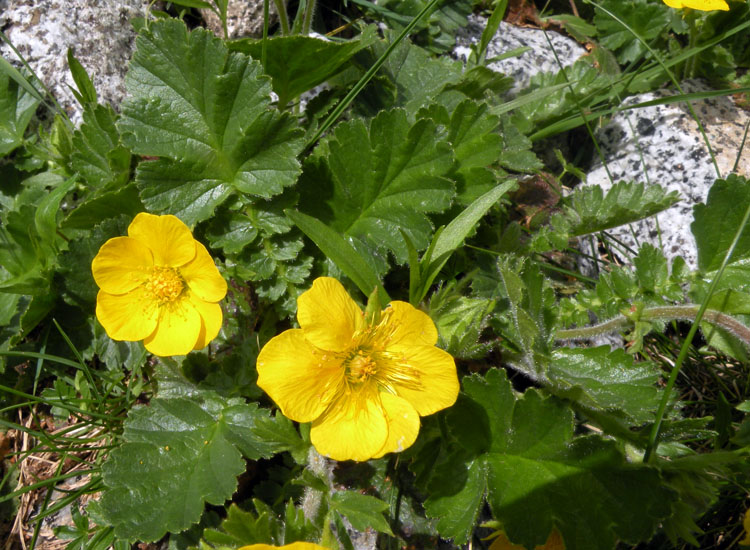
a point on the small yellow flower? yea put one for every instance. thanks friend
(363, 385)
(702, 5)
(293, 546)
(158, 285)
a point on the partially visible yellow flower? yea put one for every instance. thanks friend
(502, 542)
(293, 546)
(746, 524)
(158, 285)
(702, 5)
(363, 385)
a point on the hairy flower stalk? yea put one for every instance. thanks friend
(687, 312)
(362, 382)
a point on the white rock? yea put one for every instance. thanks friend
(663, 145)
(540, 58)
(99, 32)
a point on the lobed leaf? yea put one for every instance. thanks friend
(178, 455)
(367, 182)
(537, 475)
(205, 112)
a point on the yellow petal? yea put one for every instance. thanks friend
(297, 376)
(436, 372)
(202, 276)
(169, 239)
(328, 315)
(211, 319)
(121, 265)
(702, 5)
(410, 325)
(352, 428)
(176, 331)
(403, 424)
(293, 546)
(131, 316)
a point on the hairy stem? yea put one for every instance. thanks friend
(687, 312)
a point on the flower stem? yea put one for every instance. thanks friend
(687, 312)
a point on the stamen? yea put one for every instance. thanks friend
(165, 284)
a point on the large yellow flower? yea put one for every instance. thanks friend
(158, 285)
(702, 5)
(363, 385)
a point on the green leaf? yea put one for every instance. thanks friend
(98, 156)
(449, 239)
(460, 321)
(457, 512)
(123, 201)
(588, 210)
(86, 93)
(243, 527)
(363, 511)
(368, 182)
(20, 262)
(206, 114)
(45, 217)
(17, 106)
(437, 31)
(179, 454)
(341, 252)
(716, 222)
(539, 476)
(411, 79)
(647, 19)
(298, 63)
(608, 380)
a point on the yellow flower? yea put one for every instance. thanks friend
(502, 542)
(363, 385)
(746, 525)
(158, 285)
(702, 5)
(293, 546)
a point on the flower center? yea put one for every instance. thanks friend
(360, 367)
(165, 284)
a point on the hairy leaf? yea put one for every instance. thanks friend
(206, 114)
(606, 379)
(588, 209)
(369, 182)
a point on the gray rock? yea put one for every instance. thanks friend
(540, 58)
(99, 32)
(663, 145)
